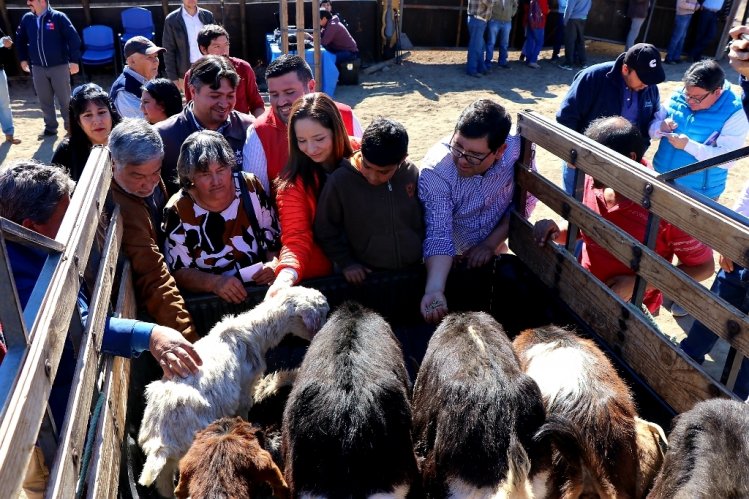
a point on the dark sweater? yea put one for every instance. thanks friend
(598, 91)
(380, 226)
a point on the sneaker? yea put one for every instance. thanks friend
(671, 62)
(47, 133)
(678, 311)
(504, 66)
(566, 67)
(12, 139)
(554, 58)
(522, 57)
(475, 75)
(533, 65)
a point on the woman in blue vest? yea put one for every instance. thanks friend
(701, 121)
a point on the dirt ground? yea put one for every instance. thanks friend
(426, 93)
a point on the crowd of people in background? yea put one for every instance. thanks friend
(221, 192)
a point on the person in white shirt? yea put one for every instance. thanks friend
(180, 39)
(700, 121)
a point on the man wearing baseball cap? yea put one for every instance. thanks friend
(142, 59)
(625, 87)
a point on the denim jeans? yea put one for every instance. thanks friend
(634, 31)
(568, 178)
(733, 287)
(498, 30)
(707, 25)
(476, 28)
(558, 34)
(534, 41)
(675, 46)
(6, 117)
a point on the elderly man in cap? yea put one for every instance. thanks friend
(624, 87)
(142, 58)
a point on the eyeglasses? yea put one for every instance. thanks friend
(696, 100)
(471, 160)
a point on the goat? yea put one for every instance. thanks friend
(226, 460)
(475, 412)
(347, 425)
(599, 447)
(270, 397)
(233, 356)
(708, 453)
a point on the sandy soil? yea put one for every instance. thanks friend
(426, 93)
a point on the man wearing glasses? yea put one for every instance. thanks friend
(701, 121)
(466, 186)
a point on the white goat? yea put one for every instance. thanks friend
(233, 356)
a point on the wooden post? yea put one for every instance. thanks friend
(719, 52)
(460, 24)
(6, 19)
(299, 27)
(86, 11)
(283, 19)
(316, 41)
(243, 24)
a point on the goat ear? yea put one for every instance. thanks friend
(651, 449)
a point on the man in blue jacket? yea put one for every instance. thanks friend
(48, 41)
(625, 87)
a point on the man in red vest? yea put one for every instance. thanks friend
(266, 149)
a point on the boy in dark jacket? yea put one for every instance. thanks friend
(369, 216)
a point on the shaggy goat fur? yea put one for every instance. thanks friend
(233, 356)
(347, 424)
(708, 455)
(226, 461)
(271, 394)
(600, 448)
(475, 412)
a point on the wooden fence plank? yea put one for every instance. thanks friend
(675, 377)
(105, 463)
(727, 321)
(22, 415)
(66, 468)
(631, 180)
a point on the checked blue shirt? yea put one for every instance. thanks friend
(460, 212)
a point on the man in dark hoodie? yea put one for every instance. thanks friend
(625, 87)
(369, 215)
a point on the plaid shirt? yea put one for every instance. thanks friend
(460, 212)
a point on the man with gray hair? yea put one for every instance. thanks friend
(36, 196)
(137, 151)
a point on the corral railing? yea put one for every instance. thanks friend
(673, 375)
(30, 366)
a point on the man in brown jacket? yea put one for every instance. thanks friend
(137, 152)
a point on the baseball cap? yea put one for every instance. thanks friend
(645, 60)
(141, 45)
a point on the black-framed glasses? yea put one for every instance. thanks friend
(470, 159)
(696, 100)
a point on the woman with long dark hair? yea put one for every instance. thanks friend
(160, 100)
(92, 117)
(318, 144)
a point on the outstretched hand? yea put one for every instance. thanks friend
(434, 307)
(173, 352)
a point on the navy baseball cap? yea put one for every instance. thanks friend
(645, 60)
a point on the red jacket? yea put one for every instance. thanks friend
(297, 206)
(544, 4)
(274, 137)
(248, 95)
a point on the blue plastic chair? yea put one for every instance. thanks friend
(136, 21)
(98, 47)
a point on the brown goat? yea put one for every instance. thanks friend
(600, 447)
(226, 460)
